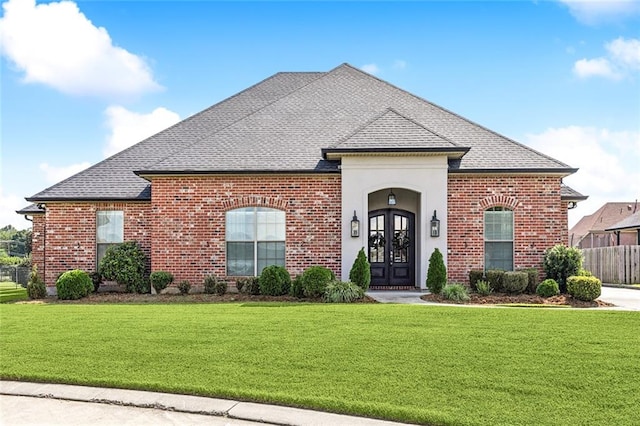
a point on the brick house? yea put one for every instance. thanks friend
(306, 168)
(594, 231)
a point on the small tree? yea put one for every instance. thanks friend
(124, 264)
(561, 262)
(35, 287)
(437, 273)
(360, 273)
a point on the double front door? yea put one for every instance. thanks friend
(392, 247)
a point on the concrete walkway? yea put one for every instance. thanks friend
(624, 298)
(23, 403)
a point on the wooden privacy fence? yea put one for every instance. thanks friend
(617, 265)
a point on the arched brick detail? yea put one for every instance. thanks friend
(499, 200)
(254, 201)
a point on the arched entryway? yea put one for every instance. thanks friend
(392, 247)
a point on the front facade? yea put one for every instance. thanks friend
(306, 169)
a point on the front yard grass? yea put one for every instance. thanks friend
(430, 365)
(11, 292)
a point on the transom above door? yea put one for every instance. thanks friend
(392, 247)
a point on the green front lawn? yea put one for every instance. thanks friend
(10, 292)
(434, 365)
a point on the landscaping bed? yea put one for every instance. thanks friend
(520, 299)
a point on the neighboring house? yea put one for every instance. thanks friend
(593, 230)
(307, 168)
(626, 228)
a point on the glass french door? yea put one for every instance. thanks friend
(392, 247)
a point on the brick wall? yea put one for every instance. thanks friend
(37, 246)
(189, 220)
(69, 237)
(540, 218)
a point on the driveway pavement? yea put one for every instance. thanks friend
(24, 403)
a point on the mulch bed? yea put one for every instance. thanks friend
(524, 299)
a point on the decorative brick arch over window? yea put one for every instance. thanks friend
(499, 201)
(254, 201)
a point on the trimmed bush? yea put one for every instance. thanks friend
(248, 285)
(495, 277)
(584, 273)
(96, 279)
(533, 279)
(360, 273)
(160, 280)
(475, 275)
(584, 287)
(483, 288)
(36, 289)
(560, 262)
(212, 285)
(437, 272)
(343, 292)
(184, 287)
(274, 281)
(315, 279)
(296, 289)
(515, 282)
(124, 264)
(74, 285)
(548, 288)
(455, 292)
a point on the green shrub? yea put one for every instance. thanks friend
(495, 278)
(212, 285)
(315, 279)
(548, 288)
(584, 273)
(561, 262)
(455, 292)
(360, 273)
(343, 292)
(125, 264)
(296, 289)
(184, 287)
(437, 272)
(73, 285)
(160, 280)
(475, 275)
(515, 282)
(36, 289)
(274, 281)
(248, 285)
(584, 287)
(96, 279)
(533, 279)
(483, 288)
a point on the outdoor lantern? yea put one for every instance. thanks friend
(391, 199)
(355, 226)
(435, 225)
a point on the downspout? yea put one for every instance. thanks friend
(44, 244)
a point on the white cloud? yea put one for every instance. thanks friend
(55, 174)
(128, 127)
(370, 68)
(608, 163)
(623, 59)
(9, 203)
(592, 12)
(399, 64)
(56, 45)
(600, 67)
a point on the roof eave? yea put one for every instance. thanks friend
(534, 170)
(41, 200)
(338, 153)
(146, 174)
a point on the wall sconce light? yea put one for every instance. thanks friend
(355, 226)
(435, 225)
(391, 199)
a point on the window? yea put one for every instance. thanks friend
(109, 231)
(498, 239)
(255, 239)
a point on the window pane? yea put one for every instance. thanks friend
(498, 225)
(240, 259)
(109, 227)
(240, 224)
(271, 226)
(498, 255)
(270, 254)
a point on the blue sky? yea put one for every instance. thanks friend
(82, 80)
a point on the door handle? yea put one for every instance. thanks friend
(390, 257)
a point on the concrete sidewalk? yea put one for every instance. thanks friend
(48, 404)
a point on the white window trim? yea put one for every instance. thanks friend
(512, 240)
